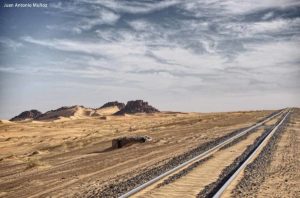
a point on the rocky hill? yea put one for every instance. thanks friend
(109, 108)
(32, 114)
(137, 106)
(120, 105)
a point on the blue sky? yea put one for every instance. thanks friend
(208, 55)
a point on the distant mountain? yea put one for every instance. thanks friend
(77, 111)
(32, 114)
(109, 108)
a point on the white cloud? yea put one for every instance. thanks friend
(181, 56)
(267, 56)
(112, 50)
(90, 16)
(272, 26)
(10, 43)
(104, 17)
(249, 29)
(268, 15)
(141, 25)
(244, 6)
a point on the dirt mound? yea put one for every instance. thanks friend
(72, 111)
(120, 105)
(137, 106)
(32, 114)
(127, 141)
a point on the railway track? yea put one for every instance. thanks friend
(234, 174)
(206, 154)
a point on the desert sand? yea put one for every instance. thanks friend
(69, 157)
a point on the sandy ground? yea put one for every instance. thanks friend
(282, 178)
(62, 158)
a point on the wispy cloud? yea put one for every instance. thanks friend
(265, 28)
(10, 43)
(87, 16)
(134, 6)
(104, 17)
(244, 6)
(112, 50)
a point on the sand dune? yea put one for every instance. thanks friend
(73, 111)
(5, 122)
(107, 110)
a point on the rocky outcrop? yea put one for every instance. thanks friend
(72, 111)
(32, 114)
(120, 105)
(127, 141)
(137, 106)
